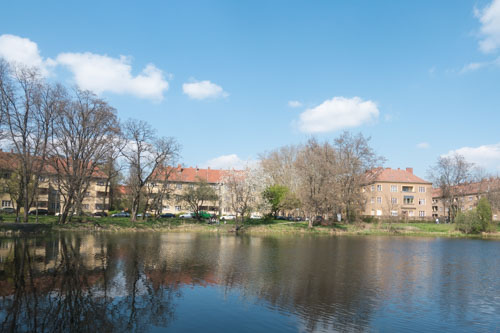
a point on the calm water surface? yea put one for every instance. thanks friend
(214, 283)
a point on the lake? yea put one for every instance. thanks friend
(149, 281)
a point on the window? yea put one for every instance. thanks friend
(421, 189)
(191, 185)
(379, 188)
(179, 186)
(379, 200)
(373, 188)
(394, 213)
(410, 213)
(101, 206)
(42, 179)
(177, 208)
(394, 200)
(373, 212)
(421, 202)
(407, 188)
(379, 212)
(6, 203)
(166, 207)
(394, 188)
(408, 200)
(85, 206)
(421, 213)
(372, 200)
(471, 198)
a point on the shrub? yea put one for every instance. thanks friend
(485, 215)
(469, 222)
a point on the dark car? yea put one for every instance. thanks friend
(7, 210)
(167, 215)
(39, 211)
(281, 218)
(100, 214)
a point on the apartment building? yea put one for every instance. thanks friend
(397, 193)
(466, 198)
(173, 181)
(48, 197)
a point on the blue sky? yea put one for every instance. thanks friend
(232, 79)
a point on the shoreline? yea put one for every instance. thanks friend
(259, 228)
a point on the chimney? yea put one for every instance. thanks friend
(410, 170)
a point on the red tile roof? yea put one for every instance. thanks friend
(471, 188)
(191, 175)
(9, 161)
(393, 176)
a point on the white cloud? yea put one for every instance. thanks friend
(101, 73)
(338, 113)
(486, 156)
(294, 104)
(18, 50)
(231, 161)
(490, 27)
(203, 90)
(478, 65)
(423, 145)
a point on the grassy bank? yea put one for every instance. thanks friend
(49, 223)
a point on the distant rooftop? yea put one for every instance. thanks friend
(393, 176)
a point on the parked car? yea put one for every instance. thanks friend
(228, 217)
(100, 214)
(121, 214)
(282, 218)
(186, 216)
(255, 217)
(41, 211)
(147, 215)
(7, 210)
(167, 215)
(204, 215)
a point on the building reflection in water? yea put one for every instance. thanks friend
(123, 282)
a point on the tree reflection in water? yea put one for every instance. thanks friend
(143, 281)
(79, 289)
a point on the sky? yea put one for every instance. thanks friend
(233, 79)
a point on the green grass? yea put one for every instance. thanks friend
(261, 226)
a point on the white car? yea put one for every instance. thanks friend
(255, 217)
(186, 216)
(228, 217)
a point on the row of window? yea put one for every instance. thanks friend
(407, 200)
(410, 213)
(394, 188)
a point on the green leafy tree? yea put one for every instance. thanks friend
(468, 222)
(275, 196)
(476, 220)
(484, 214)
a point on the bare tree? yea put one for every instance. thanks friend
(27, 106)
(241, 190)
(198, 195)
(83, 134)
(354, 157)
(448, 174)
(145, 153)
(317, 191)
(279, 166)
